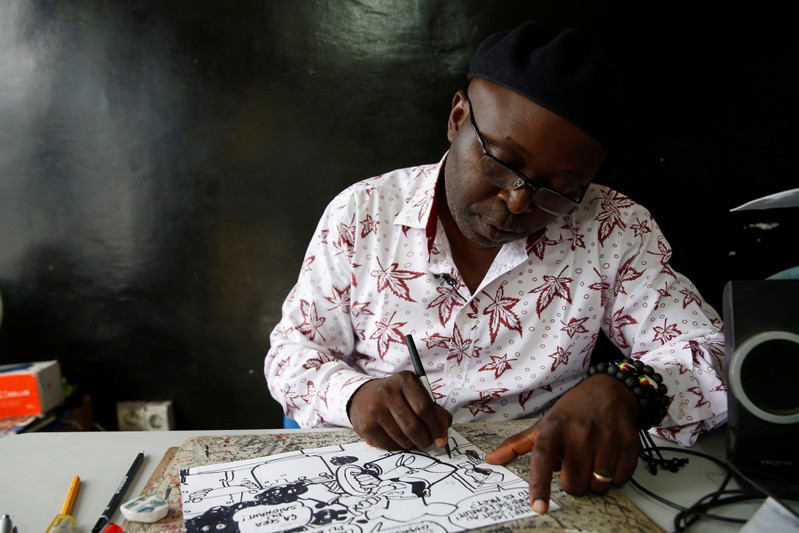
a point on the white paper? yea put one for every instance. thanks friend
(772, 517)
(789, 198)
(355, 488)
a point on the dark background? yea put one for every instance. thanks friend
(163, 163)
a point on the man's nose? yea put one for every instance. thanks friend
(519, 201)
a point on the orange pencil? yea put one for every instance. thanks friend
(64, 522)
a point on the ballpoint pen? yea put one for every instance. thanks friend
(108, 513)
(421, 374)
(6, 525)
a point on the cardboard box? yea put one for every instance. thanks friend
(30, 389)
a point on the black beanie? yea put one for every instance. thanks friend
(559, 69)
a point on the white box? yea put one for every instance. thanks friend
(158, 416)
(30, 388)
(145, 416)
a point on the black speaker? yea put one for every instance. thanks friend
(761, 320)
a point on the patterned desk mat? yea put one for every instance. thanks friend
(612, 512)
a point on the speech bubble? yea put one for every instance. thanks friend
(484, 509)
(261, 518)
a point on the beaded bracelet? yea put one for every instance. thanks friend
(645, 383)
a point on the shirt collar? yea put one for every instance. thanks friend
(420, 209)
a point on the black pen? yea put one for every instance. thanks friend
(116, 499)
(421, 374)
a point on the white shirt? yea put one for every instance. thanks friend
(378, 268)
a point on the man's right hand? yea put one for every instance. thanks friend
(397, 413)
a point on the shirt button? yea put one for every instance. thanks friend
(454, 370)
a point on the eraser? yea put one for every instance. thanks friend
(146, 509)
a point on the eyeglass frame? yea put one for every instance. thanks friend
(521, 178)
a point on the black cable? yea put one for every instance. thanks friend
(653, 450)
(761, 488)
(721, 496)
(687, 516)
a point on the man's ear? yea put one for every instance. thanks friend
(457, 114)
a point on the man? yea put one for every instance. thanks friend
(505, 262)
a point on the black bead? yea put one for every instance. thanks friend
(652, 398)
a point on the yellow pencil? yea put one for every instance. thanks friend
(64, 522)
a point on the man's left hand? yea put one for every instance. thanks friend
(590, 435)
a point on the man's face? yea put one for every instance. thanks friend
(546, 148)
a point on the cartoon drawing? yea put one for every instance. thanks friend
(353, 488)
(395, 487)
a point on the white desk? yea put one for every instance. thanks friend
(36, 470)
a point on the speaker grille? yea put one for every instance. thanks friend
(763, 376)
(770, 377)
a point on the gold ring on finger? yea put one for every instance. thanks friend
(601, 478)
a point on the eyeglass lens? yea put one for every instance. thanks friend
(549, 201)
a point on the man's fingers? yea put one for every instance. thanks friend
(385, 433)
(541, 469)
(542, 463)
(512, 447)
(397, 413)
(503, 454)
(397, 435)
(603, 473)
(424, 424)
(446, 420)
(627, 462)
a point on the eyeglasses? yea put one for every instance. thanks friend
(501, 174)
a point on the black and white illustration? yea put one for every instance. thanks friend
(354, 488)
